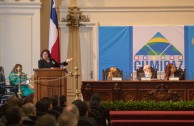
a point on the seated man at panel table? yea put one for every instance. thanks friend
(146, 73)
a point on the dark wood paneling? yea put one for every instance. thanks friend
(139, 90)
(49, 82)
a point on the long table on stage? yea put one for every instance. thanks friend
(158, 90)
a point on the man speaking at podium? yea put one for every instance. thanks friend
(47, 62)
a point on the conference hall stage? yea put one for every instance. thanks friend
(157, 90)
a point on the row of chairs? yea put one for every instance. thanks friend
(119, 73)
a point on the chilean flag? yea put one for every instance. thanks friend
(54, 45)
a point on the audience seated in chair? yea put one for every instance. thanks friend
(111, 72)
(11, 102)
(54, 100)
(68, 118)
(104, 112)
(146, 71)
(2, 80)
(73, 109)
(44, 106)
(46, 120)
(6, 90)
(2, 77)
(14, 116)
(62, 101)
(84, 120)
(29, 111)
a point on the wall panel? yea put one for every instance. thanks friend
(19, 35)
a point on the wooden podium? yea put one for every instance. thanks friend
(49, 82)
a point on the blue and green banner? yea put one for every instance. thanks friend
(130, 47)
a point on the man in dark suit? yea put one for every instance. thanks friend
(2, 80)
(2, 77)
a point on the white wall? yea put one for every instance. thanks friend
(139, 12)
(19, 34)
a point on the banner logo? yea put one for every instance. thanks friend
(158, 52)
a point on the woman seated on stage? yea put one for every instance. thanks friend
(27, 89)
(47, 62)
(112, 73)
(170, 71)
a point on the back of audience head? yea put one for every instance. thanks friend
(54, 100)
(28, 109)
(13, 101)
(67, 118)
(63, 101)
(46, 120)
(14, 115)
(44, 105)
(72, 108)
(94, 103)
(82, 106)
(95, 96)
(28, 99)
(95, 100)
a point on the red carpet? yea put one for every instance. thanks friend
(152, 118)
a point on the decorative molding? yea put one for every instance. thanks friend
(16, 13)
(191, 94)
(162, 93)
(18, 1)
(20, 5)
(170, 91)
(19, 8)
(135, 9)
(128, 95)
(75, 17)
(86, 24)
